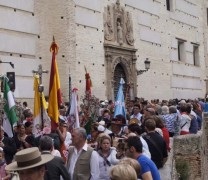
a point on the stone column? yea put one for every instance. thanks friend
(108, 57)
(134, 83)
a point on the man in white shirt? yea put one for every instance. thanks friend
(136, 113)
(83, 161)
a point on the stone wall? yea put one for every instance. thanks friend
(78, 27)
(191, 150)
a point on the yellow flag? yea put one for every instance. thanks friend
(37, 106)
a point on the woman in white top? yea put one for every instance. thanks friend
(107, 157)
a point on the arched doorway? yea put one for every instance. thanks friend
(118, 73)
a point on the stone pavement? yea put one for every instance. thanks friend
(165, 172)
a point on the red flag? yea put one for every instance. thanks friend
(88, 83)
(54, 89)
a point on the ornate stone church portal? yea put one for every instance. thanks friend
(120, 54)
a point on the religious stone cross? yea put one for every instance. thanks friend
(40, 72)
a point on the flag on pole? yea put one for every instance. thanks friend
(120, 103)
(74, 114)
(54, 89)
(37, 123)
(9, 109)
(88, 83)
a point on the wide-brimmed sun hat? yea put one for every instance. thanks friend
(133, 121)
(28, 158)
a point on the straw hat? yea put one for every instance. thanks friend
(119, 120)
(28, 158)
(133, 121)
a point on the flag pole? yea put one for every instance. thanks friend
(40, 72)
(55, 98)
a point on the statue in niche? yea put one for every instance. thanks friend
(119, 33)
(108, 26)
(118, 6)
(129, 30)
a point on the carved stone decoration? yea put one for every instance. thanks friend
(119, 33)
(118, 7)
(129, 30)
(120, 55)
(119, 23)
(118, 26)
(108, 27)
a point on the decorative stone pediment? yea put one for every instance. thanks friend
(118, 26)
(120, 54)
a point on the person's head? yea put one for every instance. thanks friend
(98, 139)
(148, 111)
(123, 171)
(172, 109)
(28, 127)
(30, 164)
(158, 121)
(165, 110)
(158, 109)
(117, 123)
(135, 128)
(183, 107)
(100, 129)
(1, 155)
(46, 143)
(79, 137)
(136, 108)
(131, 103)
(133, 163)
(24, 104)
(120, 148)
(150, 124)
(106, 114)
(105, 143)
(133, 147)
(15, 127)
(188, 108)
(21, 128)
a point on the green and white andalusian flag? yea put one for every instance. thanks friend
(9, 109)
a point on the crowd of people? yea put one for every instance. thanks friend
(128, 148)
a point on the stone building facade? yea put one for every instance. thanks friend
(111, 38)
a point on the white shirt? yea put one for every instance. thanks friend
(185, 122)
(56, 152)
(104, 168)
(68, 140)
(94, 163)
(137, 116)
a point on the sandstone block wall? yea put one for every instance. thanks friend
(192, 149)
(78, 27)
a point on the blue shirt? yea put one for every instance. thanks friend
(206, 107)
(148, 165)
